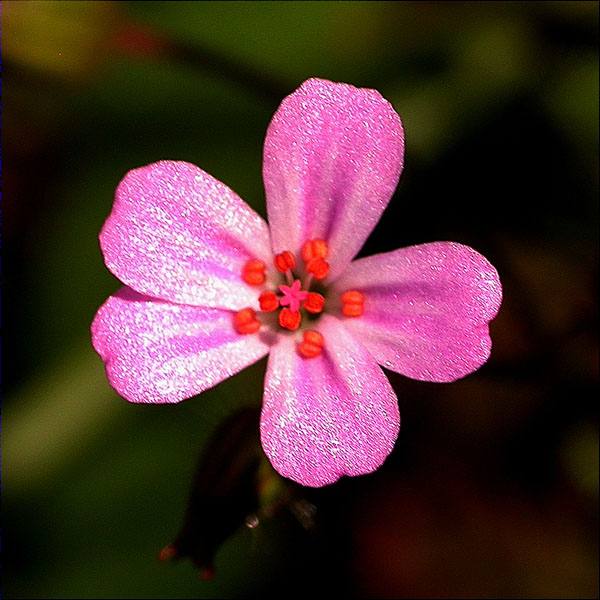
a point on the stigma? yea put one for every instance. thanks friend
(293, 296)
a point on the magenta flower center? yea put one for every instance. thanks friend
(292, 298)
(293, 295)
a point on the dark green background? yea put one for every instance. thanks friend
(492, 489)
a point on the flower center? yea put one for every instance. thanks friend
(295, 296)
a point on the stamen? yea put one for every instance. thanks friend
(314, 249)
(314, 303)
(318, 267)
(268, 301)
(289, 319)
(353, 303)
(245, 321)
(312, 345)
(285, 261)
(253, 272)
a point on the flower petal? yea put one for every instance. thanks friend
(178, 234)
(328, 416)
(156, 351)
(332, 158)
(427, 309)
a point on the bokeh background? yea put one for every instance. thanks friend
(492, 488)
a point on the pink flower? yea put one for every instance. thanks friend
(211, 288)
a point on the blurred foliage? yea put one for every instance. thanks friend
(57, 39)
(492, 489)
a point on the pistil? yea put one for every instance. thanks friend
(293, 295)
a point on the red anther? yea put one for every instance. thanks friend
(353, 297)
(253, 272)
(284, 261)
(245, 321)
(268, 301)
(318, 267)
(314, 249)
(289, 319)
(312, 345)
(353, 303)
(314, 303)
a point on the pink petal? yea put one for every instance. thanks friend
(328, 416)
(427, 309)
(178, 234)
(157, 352)
(332, 158)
